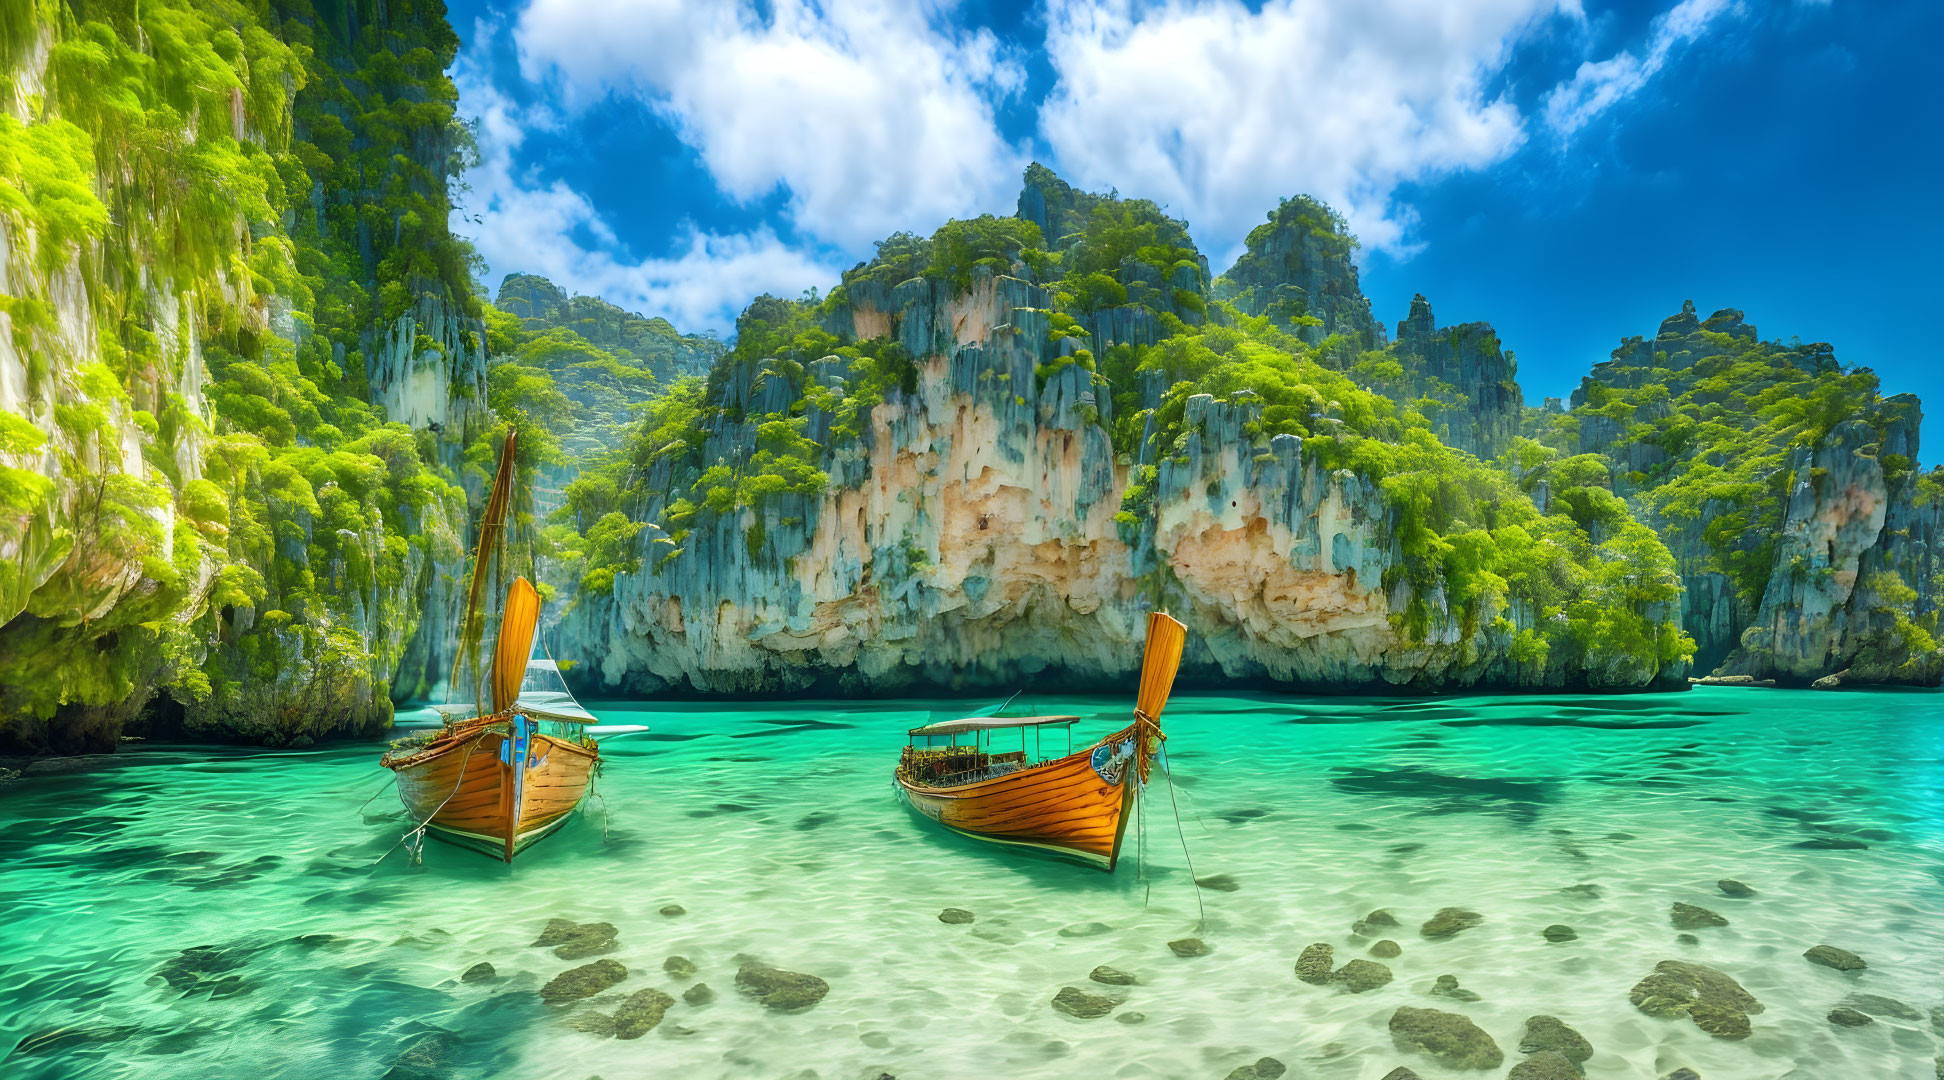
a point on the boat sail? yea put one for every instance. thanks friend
(1075, 805)
(499, 780)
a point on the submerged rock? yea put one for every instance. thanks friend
(1452, 1039)
(1833, 957)
(1715, 1002)
(1358, 976)
(1847, 1017)
(1074, 1001)
(1691, 917)
(428, 1057)
(1377, 922)
(584, 981)
(779, 989)
(956, 916)
(1450, 921)
(1111, 976)
(1687, 939)
(592, 1022)
(1264, 1069)
(1832, 843)
(206, 969)
(673, 910)
(638, 1015)
(480, 972)
(1545, 1065)
(1131, 1018)
(1189, 946)
(1682, 1073)
(1315, 964)
(56, 1040)
(1586, 891)
(1447, 986)
(699, 994)
(1219, 882)
(1878, 1005)
(1730, 887)
(1086, 929)
(1544, 1033)
(577, 941)
(1402, 1073)
(1387, 950)
(1558, 933)
(679, 966)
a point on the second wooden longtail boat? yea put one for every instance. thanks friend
(500, 779)
(1076, 805)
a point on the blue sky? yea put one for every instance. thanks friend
(1567, 171)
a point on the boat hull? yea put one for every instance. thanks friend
(462, 790)
(1064, 806)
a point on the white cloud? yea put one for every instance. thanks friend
(875, 115)
(1599, 85)
(521, 223)
(1216, 111)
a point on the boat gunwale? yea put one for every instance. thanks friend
(461, 734)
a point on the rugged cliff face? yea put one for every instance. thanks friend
(1785, 486)
(225, 268)
(1299, 264)
(927, 479)
(1464, 372)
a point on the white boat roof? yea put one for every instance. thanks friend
(989, 723)
(552, 705)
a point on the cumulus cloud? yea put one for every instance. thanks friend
(874, 115)
(1217, 110)
(522, 223)
(1599, 85)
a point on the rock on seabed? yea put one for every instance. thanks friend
(1451, 1038)
(584, 981)
(1832, 957)
(1450, 921)
(1714, 1001)
(1076, 1002)
(780, 989)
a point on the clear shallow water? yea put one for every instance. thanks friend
(777, 828)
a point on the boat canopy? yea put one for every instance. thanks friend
(544, 695)
(990, 723)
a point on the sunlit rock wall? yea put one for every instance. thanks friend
(969, 541)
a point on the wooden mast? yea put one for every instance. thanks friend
(492, 531)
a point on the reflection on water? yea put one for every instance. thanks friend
(218, 913)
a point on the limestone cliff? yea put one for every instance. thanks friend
(638, 340)
(1298, 264)
(1786, 487)
(1465, 372)
(221, 281)
(925, 481)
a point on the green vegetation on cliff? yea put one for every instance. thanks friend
(249, 193)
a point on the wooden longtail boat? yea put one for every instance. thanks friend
(500, 780)
(1076, 805)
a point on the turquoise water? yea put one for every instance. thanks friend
(777, 828)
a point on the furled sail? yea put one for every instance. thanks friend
(517, 622)
(492, 531)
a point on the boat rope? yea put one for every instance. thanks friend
(380, 791)
(1169, 771)
(420, 830)
(1008, 701)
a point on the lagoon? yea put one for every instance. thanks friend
(776, 830)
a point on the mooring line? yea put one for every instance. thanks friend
(1168, 769)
